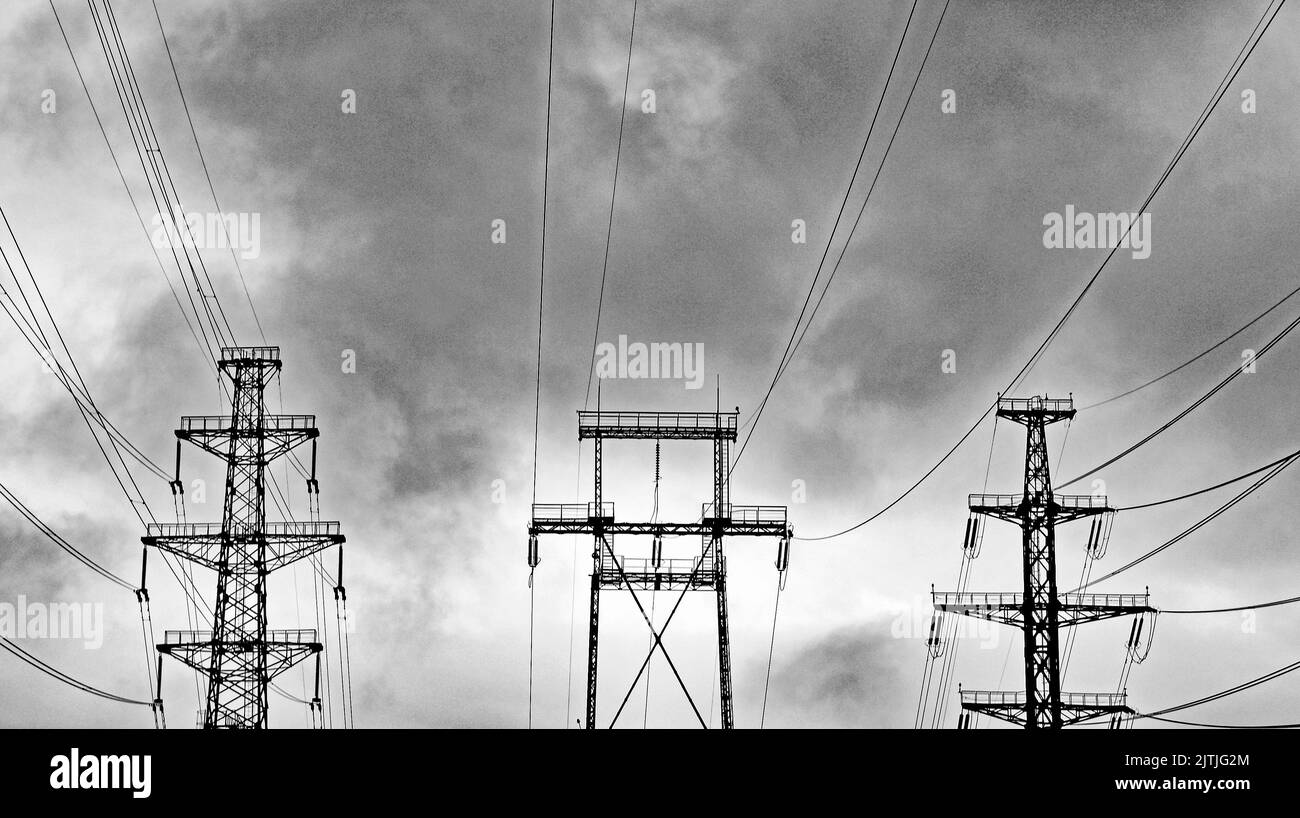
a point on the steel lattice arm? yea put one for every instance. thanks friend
(1074, 609)
(737, 521)
(1075, 707)
(213, 433)
(201, 542)
(1061, 507)
(615, 425)
(284, 648)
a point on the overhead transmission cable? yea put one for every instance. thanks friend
(541, 300)
(752, 422)
(1257, 33)
(613, 196)
(1194, 358)
(1236, 372)
(1246, 492)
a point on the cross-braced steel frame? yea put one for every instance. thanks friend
(718, 519)
(1040, 610)
(240, 655)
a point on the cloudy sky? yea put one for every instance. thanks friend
(376, 237)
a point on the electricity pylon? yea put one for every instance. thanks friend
(706, 572)
(240, 655)
(1040, 610)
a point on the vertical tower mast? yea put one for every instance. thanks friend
(705, 572)
(240, 655)
(1040, 610)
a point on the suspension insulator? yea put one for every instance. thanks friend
(315, 700)
(313, 485)
(783, 555)
(158, 701)
(657, 552)
(177, 486)
(533, 556)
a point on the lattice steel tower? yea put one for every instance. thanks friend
(240, 655)
(706, 572)
(1040, 610)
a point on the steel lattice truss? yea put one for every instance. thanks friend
(1012, 706)
(240, 655)
(706, 572)
(1040, 610)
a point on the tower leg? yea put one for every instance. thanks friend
(593, 625)
(1041, 625)
(724, 640)
(593, 631)
(237, 674)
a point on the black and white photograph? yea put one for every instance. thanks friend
(436, 371)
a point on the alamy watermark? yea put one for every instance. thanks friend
(210, 231)
(87, 771)
(669, 361)
(1088, 231)
(914, 622)
(53, 620)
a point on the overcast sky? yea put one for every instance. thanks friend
(376, 231)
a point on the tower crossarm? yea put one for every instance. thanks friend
(583, 518)
(570, 518)
(641, 574)
(284, 648)
(1009, 705)
(202, 542)
(1061, 507)
(657, 425)
(718, 520)
(250, 356)
(213, 433)
(1022, 410)
(1072, 609)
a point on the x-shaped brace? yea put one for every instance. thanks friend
(657, 634)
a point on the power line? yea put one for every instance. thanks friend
(212, 189)
(1198, 492)
(1224, 726)
(1242, 56)
(147, 120)
(122, 176)
(1196, 358)
(153, 164)
(1273, 604)
(609, 234)
(541, 300)
(161, 183)
(58, 540)
(771, 648)
(1198, 524)
(752, 422)
(600, 304)
(1169, 169)
(861, 210)
(1237, 371)
(1267, 677)
(31, 328)
(910, 488)
(54, 673)
(87, 411)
